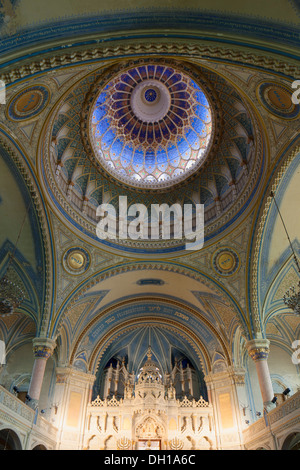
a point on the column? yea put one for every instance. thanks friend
(117, 374)
(42, 348)
(109, 380)
(258, 350)
(181, 378)
(72, 395)
(190, 380)
(222, 392)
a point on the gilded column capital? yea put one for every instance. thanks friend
(43, 347)
(258, 349)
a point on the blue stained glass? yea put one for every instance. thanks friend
(200, 97)
(116, 149)
(191, 137)
(165, 130)
(101, 98)
(150, 157)
(138, 160)
(99, 113)
(172, 152)
(123, 87)
(181, 95)
(125, 161)
(178, 87)
(135, 130)
(103, 125)
(127, 152)
(186, 155)
(151, 70)
(198, 125)
(136, 147)
(201, 112)
(207, 118)
(180, 112)
(182, 104)
(135, 75)
(176, 119)
(174, 79)
(182, 145)
(129, 126)
(171, 126)
(127, 79)
(150, 95)
(159, 71)
(167, 73)
(120, 96)
(108, 138)
(143, 72)
(161, 156)
(157, 132)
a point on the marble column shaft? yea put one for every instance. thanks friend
(259, 351)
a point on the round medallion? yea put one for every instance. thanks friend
(76, 260)
(225, 262)
(28, 103)
(151, 95)
(277, 99)
(150, 101)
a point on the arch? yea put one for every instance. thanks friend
(9, 440)
(283, 165)
(40, 447)
(292, 441)
(38, 215)
(172, 314)
(185, 333)
(164, 268)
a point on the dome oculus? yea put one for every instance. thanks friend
(151, 126)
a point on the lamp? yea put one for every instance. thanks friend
(11, 293)
(286, 391)
(274, 400)
(292, 295)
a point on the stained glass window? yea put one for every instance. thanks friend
(151, 124)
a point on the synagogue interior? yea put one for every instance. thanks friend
(149, 225)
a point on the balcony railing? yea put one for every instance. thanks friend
(262, 427)
(12, 406)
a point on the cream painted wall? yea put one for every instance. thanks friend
(12, 213)
(289, 209)
(281, 366)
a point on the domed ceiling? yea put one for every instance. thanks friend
(151, 126)
(158, 131)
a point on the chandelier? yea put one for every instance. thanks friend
(11, 292)
(292, 296)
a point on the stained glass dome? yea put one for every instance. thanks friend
(151, 126)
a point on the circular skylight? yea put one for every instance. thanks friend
(151, 126)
